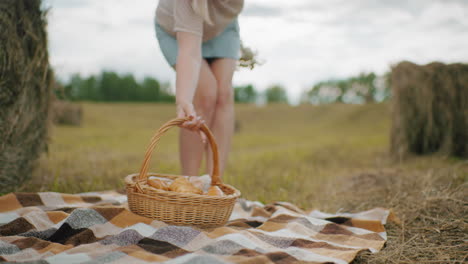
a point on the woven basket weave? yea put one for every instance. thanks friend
(180, 208)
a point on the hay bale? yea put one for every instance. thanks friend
(25, 89)
(430, 109)
(66, 113)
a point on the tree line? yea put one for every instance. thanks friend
(113, 87)
(364, 88)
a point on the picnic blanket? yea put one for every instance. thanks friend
(51, 227)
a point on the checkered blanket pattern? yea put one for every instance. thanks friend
(51, 227)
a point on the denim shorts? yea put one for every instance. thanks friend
(225, 45)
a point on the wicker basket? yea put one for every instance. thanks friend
(180, 208)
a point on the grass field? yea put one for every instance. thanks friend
(288, 151)
(327, 157)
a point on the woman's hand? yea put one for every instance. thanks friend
(186, 110)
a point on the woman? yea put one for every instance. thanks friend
(200, 40)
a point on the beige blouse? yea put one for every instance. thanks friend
(178, 15)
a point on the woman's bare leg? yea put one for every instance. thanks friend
(191, 148)
(222, 124)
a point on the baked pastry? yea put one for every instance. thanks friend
(182, 185)
(159, 184)
(215, 191)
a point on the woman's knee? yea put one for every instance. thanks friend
(205, 99)
(223, 70)
(207, 102)
(206, 93)
(225, 96)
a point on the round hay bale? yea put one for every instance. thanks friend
(430, 109)
(25, 89)
(67, 113)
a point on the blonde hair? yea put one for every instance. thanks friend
(200, 7)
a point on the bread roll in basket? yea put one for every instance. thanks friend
(180, 208)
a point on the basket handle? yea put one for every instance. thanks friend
(215, 179)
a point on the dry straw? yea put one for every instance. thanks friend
(25, 89)
(430, 109)
(66, 113)
(430, 204)
(180, 208)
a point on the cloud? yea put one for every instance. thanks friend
(69, 3)
(301, 41)
(89, 36)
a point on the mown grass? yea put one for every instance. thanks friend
(287, 151)
(327, 157)
(280, 152)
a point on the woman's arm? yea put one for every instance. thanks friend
(187, 74)
(187, 67)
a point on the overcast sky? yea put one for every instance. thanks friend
(300, 41)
